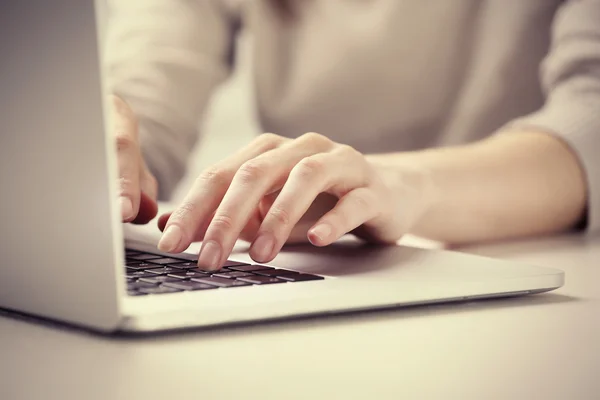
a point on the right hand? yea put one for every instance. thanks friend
(137, 186)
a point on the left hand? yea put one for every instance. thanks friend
(266, 193)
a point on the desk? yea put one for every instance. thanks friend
(541, 347)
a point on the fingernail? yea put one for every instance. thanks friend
(262, 248)
(210, 256)
(322, 232)
(126, 209)
(170, 239)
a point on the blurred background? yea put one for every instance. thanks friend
(230, 120)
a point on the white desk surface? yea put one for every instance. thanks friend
(539, 347)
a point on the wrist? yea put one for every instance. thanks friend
(410, 182)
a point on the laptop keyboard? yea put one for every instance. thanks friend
(148, 273)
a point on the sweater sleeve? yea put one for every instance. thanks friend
(570, 76)
(165, 57)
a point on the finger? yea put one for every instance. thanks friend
(148, 206)
(149, 184)
(354, 209)
(206, 194)
(312, 176)
(248, 233)
(128, 158)
(322, 204)
(162, 221)
(254, 179)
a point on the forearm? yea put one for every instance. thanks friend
(510, 185)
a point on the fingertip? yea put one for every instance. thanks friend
(314, 240)
(262, 249)
(171, 240)
(210, 255)
(320, 235)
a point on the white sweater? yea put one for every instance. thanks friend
(380, 75)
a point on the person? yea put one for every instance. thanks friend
(462, 121)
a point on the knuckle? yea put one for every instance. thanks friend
(280, 216)
(310, 167)
(125, 141)
(183, 212)
(222, 222)
(317, 139)
(215, 176)
(369, 203)
(253, 170)
(126, 185)
(334, 219)
(361, 202)
(269, 141)
(348, 151)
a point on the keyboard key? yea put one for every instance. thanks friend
(139, 285)
(221, 282)
(144, 257)
(184, 265)
(261, 280)
(131, 253)
(139, 274)
(189, 285)
(165, 261)
(275, 272)
(231, 274)
(300, 277)
(163, 270)
(139, 266)
(161, 279)
(159, 290)
(230, 263)
(249, 268)
(189, 274)
(201, 271)
(182, 257)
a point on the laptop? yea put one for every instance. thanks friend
(64, 253)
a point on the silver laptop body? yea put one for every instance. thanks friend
(61, 240)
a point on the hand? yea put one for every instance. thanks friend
(137, 187)
(262, 192)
